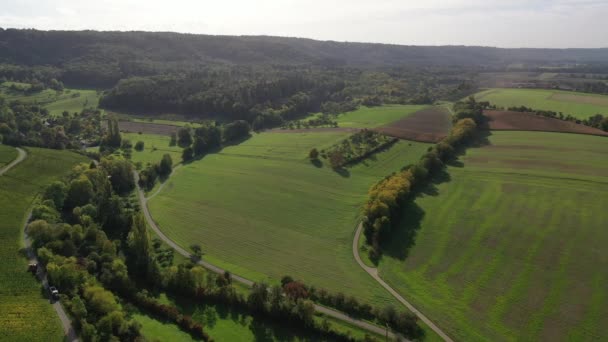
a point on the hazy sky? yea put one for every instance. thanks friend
(503, 23)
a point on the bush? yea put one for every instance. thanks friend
(139, 146)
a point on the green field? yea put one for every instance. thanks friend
(369, 117)
(71, 100)
(26, 315)
(262, 210)
(155, 146)
(512, 245)
(7, 154)
(579, 105)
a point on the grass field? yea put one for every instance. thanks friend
(155, 146)
(369, 117)
(512, 245)
(7, 154)
(262, 210)
(71, 100)
(580, 105)
(26, 315)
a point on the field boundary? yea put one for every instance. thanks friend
(373, 272)
(143, 201)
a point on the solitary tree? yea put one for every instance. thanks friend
(166, 165)
(313, 154)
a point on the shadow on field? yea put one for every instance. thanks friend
(342, 172)
(317, 163)
(403, 237)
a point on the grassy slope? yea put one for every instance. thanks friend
(262, 210)
(56, 102)
(369, 117)
(540, 99)
(26, 315)
(7, 154)
(155, 146)
(511, 248)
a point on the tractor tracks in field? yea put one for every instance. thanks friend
(68, 329)
(143, 201)
(373, 272)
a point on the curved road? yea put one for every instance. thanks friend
(69, 331)
(22, 154)
(319, 308)
(372, 271)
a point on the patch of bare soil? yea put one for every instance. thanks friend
(428, 125)
(518, 121)
(146, 128)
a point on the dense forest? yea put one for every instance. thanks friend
(267, 81)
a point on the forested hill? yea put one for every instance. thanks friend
(61, 48)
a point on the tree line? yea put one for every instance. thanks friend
(387, 198)
(597, 121)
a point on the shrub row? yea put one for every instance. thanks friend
(385, 202)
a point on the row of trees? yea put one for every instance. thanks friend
(355, 148)
(598, 120)
(152, 172)
(210, 137)
(386, 199)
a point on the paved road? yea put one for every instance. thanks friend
(65, 321)
(372, 271)
(20, 157)
(324, 310)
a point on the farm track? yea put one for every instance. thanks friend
(68, 329)
(373, 272)
(319, 308)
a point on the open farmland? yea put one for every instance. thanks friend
(70, 100)
(146, 127)
(427, 125)
(155, 146)
(262, 210)
(370, 117)
(579, 105)
(26, 315)
(7, 154)
(518, 121)
(511, 245)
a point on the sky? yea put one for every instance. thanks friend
(501, 23)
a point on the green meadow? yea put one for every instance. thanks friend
(155, 146)
(70, 100)
(511, 245)
(26, 314)
(262, 210)
(370, 117)
(579, 105)
(7, 154)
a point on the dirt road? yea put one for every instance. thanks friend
(324, 310)
(20, 157)
(373, 272)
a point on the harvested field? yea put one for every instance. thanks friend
(146, 128)
(314, 130)
(518, 121)
(428, 125)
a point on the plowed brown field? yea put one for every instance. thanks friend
(149, 128)
(518, 121)
(428, 125)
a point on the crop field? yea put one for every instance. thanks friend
(155, 146)
(579, 105)
(370, 117)
(511, 246)
(506, 120)
(7, 154)
(26, 315)
(262, 210)
(71, 100)
(428, 125)
(147, 127)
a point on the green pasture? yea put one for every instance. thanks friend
(70, 100)
(370, 117)
(579, 105)
(261, 209)
(26, 314)
(7, 154)
(511, 245)
(155, 146)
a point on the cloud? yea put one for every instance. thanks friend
(514, 23)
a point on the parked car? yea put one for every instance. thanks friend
(54, 292)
